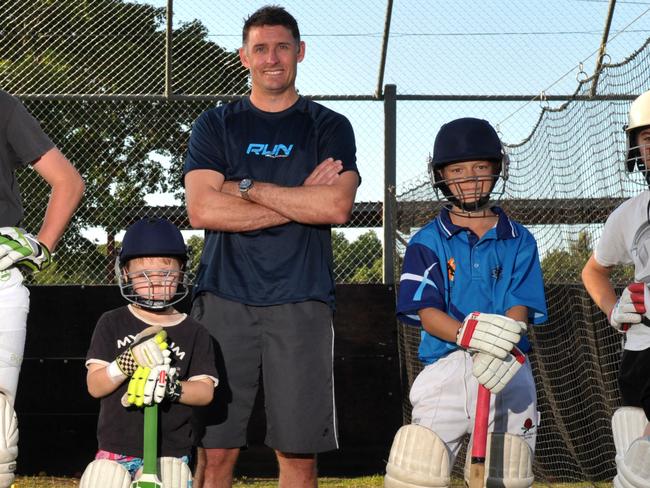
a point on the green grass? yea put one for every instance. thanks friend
(362, 482)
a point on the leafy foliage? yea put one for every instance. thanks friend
(565, 266)
(124, 148)
(359, 261)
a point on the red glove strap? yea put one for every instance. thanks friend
(470, 327)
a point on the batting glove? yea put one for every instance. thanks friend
(629, 308)
(20, 248)
(149, 350)
(494, 373)
(152, 385)
(490, 333)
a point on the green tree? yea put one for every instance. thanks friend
(359, 261)
(565, 266)
(195, 248)
(107, 47)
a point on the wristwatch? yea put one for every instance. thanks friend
(245, 186)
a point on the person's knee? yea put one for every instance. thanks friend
(220, 458)
(297, 462)
(418, 458)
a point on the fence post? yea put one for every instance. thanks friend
(390, 151)
(168, 48)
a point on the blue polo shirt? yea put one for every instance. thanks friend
(447, 267)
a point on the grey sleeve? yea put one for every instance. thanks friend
(25, 136)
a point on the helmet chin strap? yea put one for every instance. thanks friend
(152, 305)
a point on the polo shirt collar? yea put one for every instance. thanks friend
(504, 229)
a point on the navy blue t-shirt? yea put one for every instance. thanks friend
(284, 264)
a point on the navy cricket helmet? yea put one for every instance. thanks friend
(152, 237)
(466, 139)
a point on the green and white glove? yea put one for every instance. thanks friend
(20, 248)
(149, 350)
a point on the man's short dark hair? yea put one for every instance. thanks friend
(271, 15)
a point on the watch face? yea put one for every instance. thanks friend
(245, 184)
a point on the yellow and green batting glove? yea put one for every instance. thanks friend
(20, 248)
(135, 390)
(148, 385)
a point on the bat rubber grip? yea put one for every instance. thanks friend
(481, 424)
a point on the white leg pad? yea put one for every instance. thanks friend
(634, 468)
(8, 441)
(628, 424)
(102, 473)
(418, 459)
(508, 462)
(174, 473)
(632, 461)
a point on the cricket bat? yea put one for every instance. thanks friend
(479, 444)
(149, 476)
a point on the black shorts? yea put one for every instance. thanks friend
(634, 379)
(292, 344)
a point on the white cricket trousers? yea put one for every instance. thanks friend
(14, 307)
(444, 400)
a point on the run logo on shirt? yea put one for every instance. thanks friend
(278, 151)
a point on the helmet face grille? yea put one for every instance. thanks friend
(152, 289)
(470, 194)
(638, 153)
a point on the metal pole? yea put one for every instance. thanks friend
(603, 47)
(168, 48)
(390, 163)
(384, 47)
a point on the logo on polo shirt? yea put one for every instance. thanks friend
(451, 269)
(496, 272)
(277, 151)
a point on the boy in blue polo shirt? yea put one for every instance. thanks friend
(472, 281)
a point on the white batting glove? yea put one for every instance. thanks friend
(149, 350)
(20, 248)
(629, 308)
(490, 333)
(494, 373)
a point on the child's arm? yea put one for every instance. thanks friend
(439, 324)
(99, 382)
(197, 392)
(518, 312)
(479, 332)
